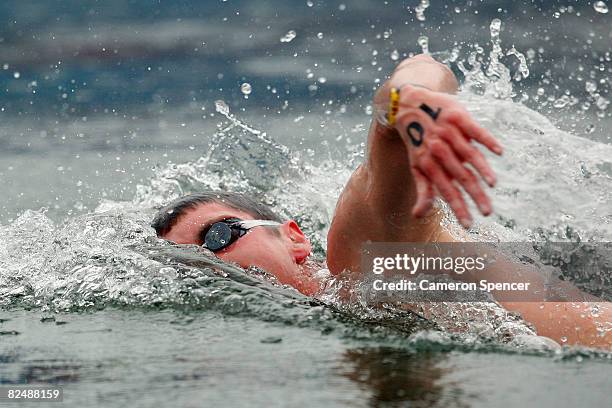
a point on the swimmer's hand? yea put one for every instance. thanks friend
(438, 133)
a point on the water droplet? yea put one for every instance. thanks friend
(590, 86)
(495, 27)
(523, 69)
(291, 34)
(561, 102)
(420, 10)
(600, 7)
(556, 14)
(233, 304)
(590, 128)
(531, 53)
(322, 80)
(246, 88)
(395, 55)
(563, 339)
(423, 41)
(595, 309)
(320, 36)
(602, 103)
(309, 3)
(457, 10)
(16, 75)
(221, 107)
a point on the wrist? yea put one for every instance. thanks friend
(424, 72)
(386, 103)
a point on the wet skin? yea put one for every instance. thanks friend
(283, 252)
(394, 190)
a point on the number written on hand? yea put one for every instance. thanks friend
(415, 130)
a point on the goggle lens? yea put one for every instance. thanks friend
(218, 236)
(221, 234)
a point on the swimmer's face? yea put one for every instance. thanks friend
(280, 253)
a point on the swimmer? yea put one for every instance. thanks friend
(421, 145)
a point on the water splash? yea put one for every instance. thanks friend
(496, 79)
(241, 158)
(112, 257)
(246, 89)
(576, 171)
(420, 10)
(523, 69)
(423, 42)
(291, 34)
(473, 322)
(447, 57)
(222, 108)
(600, 7)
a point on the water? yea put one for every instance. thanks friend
(291, 34)
(118, 317)
(218, 360)
(423, 42)
(600, 7)
(246, 89)
(420, 10)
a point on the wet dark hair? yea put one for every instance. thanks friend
(168, 215)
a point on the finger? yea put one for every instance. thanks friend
(469, 153)
(474, 131)
(448, 191)
(414, 126)
(463, 175)
(425, 194)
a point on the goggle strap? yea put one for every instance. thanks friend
(248, 224)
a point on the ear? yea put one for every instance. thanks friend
(299, 245)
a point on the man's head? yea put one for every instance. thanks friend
(280, 250)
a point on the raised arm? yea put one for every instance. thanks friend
(390, 196)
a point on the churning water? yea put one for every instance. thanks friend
(90, 298)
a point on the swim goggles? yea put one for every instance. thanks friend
(222, 234)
